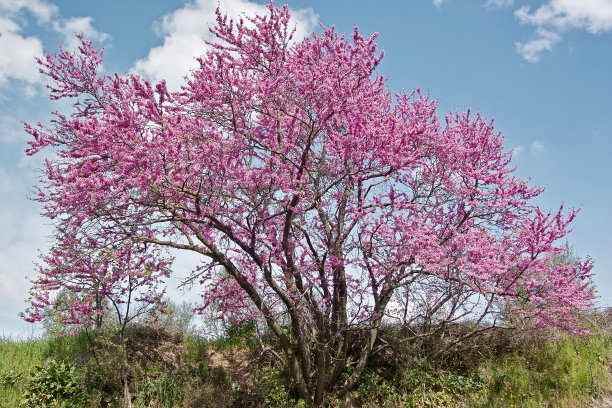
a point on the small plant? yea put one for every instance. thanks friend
(277, 395)
(53, 385)
(164, 390)
(379, 391)
(10, 379)
(430, 386)
(169, 390)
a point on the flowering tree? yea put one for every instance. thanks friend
(122, 278)
(318, 195)
(83, 278)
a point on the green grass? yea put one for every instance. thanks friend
(559, 373)
(564, 373)
(17, 360)
(61, 348)
(196, 348)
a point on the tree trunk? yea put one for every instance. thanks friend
(127, 397)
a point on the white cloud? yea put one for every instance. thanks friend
(18, 253)
(11, 129)
(18, 53)
(23, 230)
(438, 3)
(542, 41)
(23, 233)
(185, 29)
(594, 16)
(536, 147)
(29, 91)
(557, 16)
(492, 4)
(42, 10)
(78, 25)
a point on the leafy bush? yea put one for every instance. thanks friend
(55, 385)
(269, 390)
(375, 391)
(426, 385)
(241, 333)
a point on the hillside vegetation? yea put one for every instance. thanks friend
(170, 367)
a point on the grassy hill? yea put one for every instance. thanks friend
(168, 368)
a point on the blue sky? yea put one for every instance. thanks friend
(540, 67)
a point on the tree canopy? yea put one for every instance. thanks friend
(318, 200)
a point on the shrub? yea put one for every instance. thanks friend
(52, 386)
